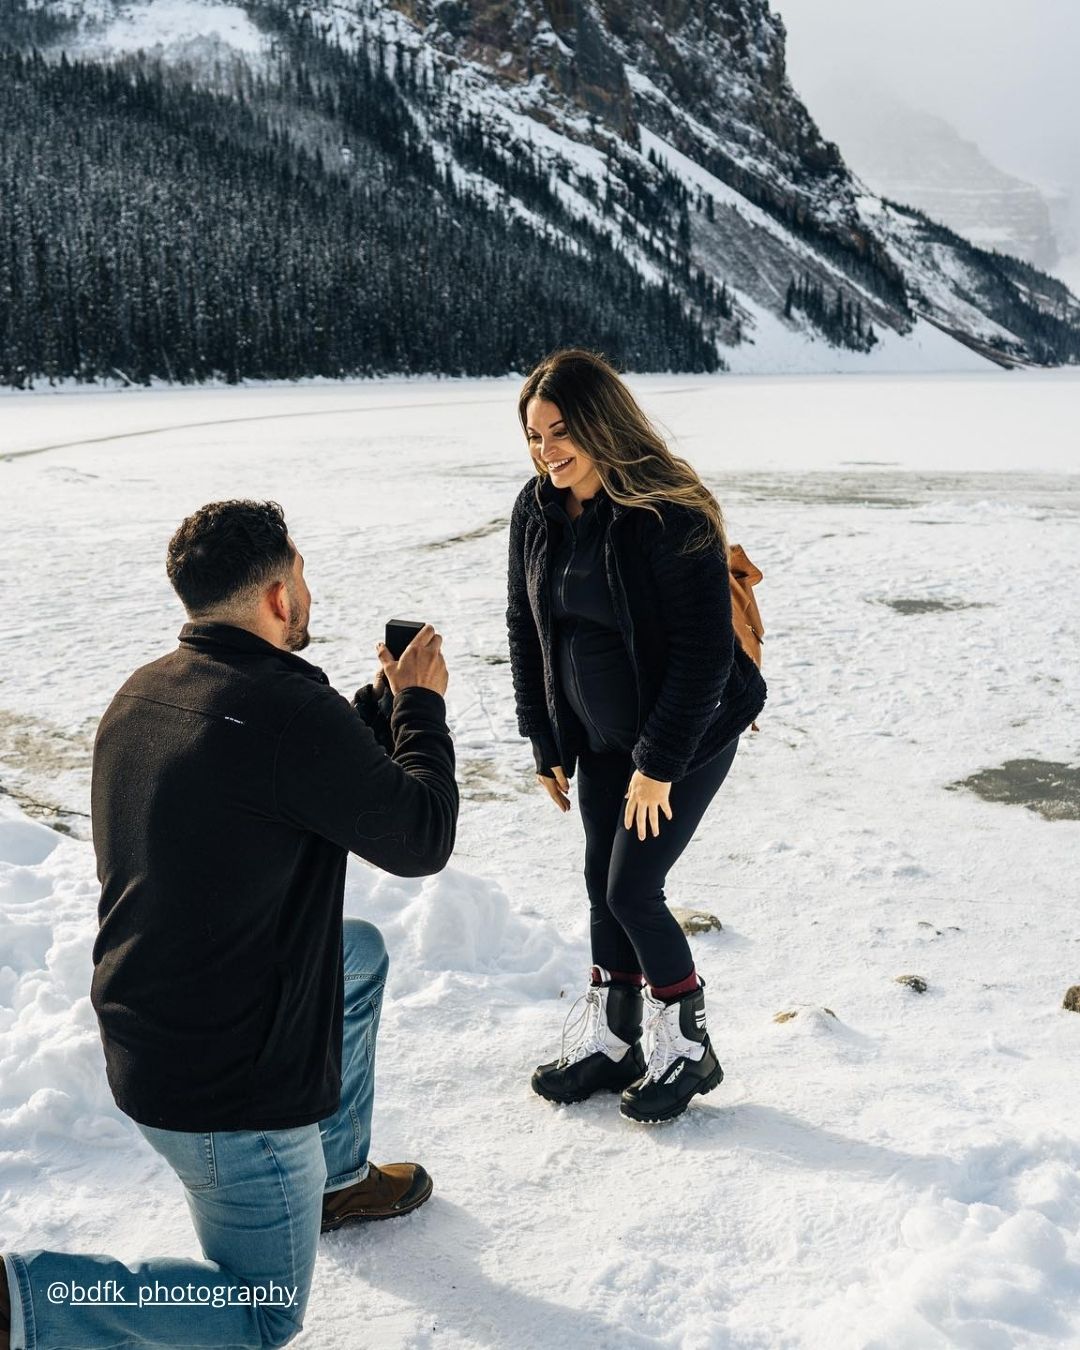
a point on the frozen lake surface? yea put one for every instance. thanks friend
(904, 1173)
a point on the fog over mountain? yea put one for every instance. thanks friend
(921, 159)
(1003, 75)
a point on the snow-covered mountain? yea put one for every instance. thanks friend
(668, 134)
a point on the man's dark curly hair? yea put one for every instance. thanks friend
(227, 552)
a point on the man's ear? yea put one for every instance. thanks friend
(278, 599)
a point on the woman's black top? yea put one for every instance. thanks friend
(593, 663)
(695, 687)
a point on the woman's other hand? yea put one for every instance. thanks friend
(556, 787)
(645, 799)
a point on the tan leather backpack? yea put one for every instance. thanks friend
(745, 616)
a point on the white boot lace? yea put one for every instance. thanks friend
(665, 1039)
(591, 1029)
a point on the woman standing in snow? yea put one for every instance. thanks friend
(624, 664)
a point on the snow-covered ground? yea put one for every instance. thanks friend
(903, 1173)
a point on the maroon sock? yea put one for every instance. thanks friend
(671, 993)
(627, 977)
(615, 977)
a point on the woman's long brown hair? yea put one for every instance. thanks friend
(605, 422)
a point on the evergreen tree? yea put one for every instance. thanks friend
(152, 229)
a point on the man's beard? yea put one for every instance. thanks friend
(297, 636)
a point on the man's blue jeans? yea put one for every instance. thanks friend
(256, 1202)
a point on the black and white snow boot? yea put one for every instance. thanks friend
(605, 1052)
(681, 1060)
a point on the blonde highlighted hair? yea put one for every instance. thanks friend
(604, 421)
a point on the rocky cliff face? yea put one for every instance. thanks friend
(709, 74)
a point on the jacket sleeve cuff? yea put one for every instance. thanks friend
(545, 754)
(664, 768)
(375, 711)
(416, 699)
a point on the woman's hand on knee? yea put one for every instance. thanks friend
(645, 799)
(556, 787)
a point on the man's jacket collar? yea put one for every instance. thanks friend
(221, 638)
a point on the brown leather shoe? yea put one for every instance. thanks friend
(384, 1193)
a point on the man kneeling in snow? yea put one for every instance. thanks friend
(237, 1010)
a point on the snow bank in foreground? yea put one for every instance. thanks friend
(987, 1259)
(457, 923)
(52, 1080)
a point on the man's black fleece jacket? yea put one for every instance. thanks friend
(230, 782)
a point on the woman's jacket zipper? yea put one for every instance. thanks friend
(620, 601)
(570, 642)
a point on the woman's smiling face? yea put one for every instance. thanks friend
(550, 442)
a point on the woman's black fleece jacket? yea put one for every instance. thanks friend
(697, 689)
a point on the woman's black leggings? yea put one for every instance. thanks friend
(632, 928)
